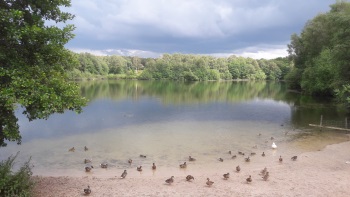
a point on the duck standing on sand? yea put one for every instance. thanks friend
(209, 182)
(249, 179)
(226, 176)
(154, 166)
(85, 148)
(238, 168)
(130, 161)
(124, 174)
(170, 180)
(184, 165)
(294, 158)
(266, 176)
(274, 146)
(247, 159)
(234, 156)
(263, 172)
(189, 178)
(221, 159)
(280, 159)
(263, 154)
(139, 168)
(87, 190)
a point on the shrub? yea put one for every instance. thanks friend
(15, 183)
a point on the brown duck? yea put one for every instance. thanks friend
(154, 166)
(189, 177)
(87, 190)
(170, 180)
(139, 168)
(209, 182)
(124, 174)
(238, 168)
(191, 158)
(226, 176)
(249, 179)
(184, 165)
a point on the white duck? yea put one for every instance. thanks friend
(274, 146)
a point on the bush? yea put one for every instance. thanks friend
(15, 183)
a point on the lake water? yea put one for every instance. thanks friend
(169, 121)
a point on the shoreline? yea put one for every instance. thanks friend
(318, 173)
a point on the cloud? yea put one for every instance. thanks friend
(189, 26)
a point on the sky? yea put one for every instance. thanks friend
(149, 28)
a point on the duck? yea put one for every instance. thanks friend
(87, 190)
(252, 153)
(189, 178)
(263, 154)
(247, 159)
(294, 158)
(104, 165)
(221, 159)
(280, 159)
(130, 161)
(154, 166)
(234, 156)
(124, 174)
(139, 168)
(226, 176)
(229, 152)
(266, 176)
(85, 148)
(191, 158)
(263, 171)
(209, 182)
(170, 180)
(272, 138)
(274, 146)
(71, 149)
(240, 153)
(238, 168)
(88, 168)
(249, 179)
(87, 161)
(143, 156)
(184, 165)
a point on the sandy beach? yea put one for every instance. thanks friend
(320, 173)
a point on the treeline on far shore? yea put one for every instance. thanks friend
(179, 67)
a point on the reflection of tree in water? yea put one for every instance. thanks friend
(170, 92)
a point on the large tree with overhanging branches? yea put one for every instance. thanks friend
(33, 63)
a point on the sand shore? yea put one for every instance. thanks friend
(321, 173)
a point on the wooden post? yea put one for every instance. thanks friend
(321, 120)
(346, 122)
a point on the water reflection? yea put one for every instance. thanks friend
(171, 120)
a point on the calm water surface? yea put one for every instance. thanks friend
(168, 121)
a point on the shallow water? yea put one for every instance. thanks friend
(120, 123)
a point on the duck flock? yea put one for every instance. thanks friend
(264, 173)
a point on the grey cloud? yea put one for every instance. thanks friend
(189, 26)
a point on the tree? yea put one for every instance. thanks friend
(321, 54)
(33, 63)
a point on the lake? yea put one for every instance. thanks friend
(169, 121)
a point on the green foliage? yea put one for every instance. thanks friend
(15, 183)
(321, 52)
(33, 63)
(343, 94)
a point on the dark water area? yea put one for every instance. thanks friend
(125, 118)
